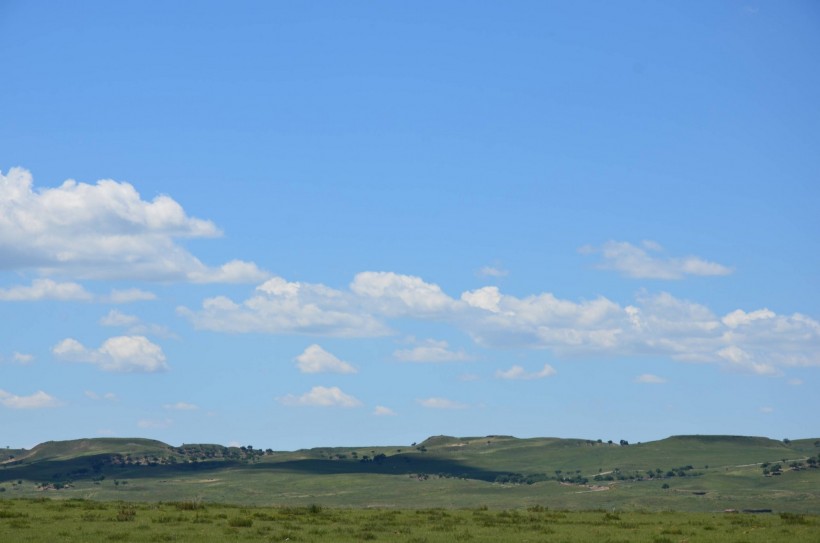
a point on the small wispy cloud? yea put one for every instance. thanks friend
(767, 409)
(431, 351)
(91, 395)
(22, 358)
(441, 403)
(649, 379)
(118, 318)
(129, 295)
(68, 291)
(180, 406)
(134, 325)
(518, 373)
(492, 271)
(641, 262)
(320, 396)
(382, 411)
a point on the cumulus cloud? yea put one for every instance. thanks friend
(180, 406)
(117, 354)
(400, 295)
(641, 263)
(518, 373)
(37, 400)
(441, 403)
(431, 351)
(657, 324)
(317, 360)
(104, 231)
(382, 411)
(321, 397)
(46, 289)
(757, 341)
(649, 379)
(281, 307)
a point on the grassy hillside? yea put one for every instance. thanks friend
(695, 473)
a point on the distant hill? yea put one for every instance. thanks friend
(680, 472)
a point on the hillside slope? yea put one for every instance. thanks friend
(681, 472)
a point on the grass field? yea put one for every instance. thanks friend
(688, 473)
(88, 521)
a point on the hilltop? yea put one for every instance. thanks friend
(700, 473)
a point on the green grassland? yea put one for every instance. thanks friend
(705, 474)
(87, 521)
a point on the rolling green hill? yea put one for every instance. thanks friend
(697, 473)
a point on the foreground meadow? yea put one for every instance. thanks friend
(87, 521)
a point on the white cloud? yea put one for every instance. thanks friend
(129, 295)
(22, 358)
(659, 325)
(117, 354)
(518, 373)
(181, 406)
(637, 262)
(317, 360)
(441, 403)
(767, 409)
(321, 397)
(116, 317)
(397, 295)
(104, 231)
(468, 377)
(741, 318)
(486, 298)
(90, 394)
(235, 271)
(45, 289)
(795, 382)
(382, 411)
(282, 307)
(37, 400)
(133, 325)
(649, 379)
(756, 341)
(431, 351)
(48, 289)
(492, 271)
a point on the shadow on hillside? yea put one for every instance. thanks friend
(392, 465)
(91, 467)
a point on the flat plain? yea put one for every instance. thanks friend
(46, 520)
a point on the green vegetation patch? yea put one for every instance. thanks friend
(45, 520)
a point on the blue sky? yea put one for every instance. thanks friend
(297, 224)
